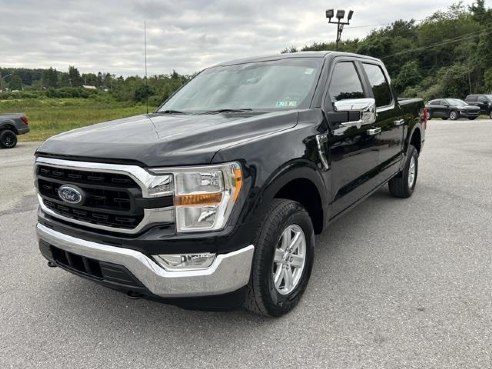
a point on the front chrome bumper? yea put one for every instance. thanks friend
(228, 272)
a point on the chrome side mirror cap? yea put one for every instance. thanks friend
(366, 107)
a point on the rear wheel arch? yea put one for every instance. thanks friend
(9, 126)
(416, 139)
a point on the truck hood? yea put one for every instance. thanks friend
(165, 140)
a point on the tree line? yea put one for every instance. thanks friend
(448, 54)
(24, 82)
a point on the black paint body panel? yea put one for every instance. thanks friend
(274, 148)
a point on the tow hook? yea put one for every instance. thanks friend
(52, 265)
(134, 295)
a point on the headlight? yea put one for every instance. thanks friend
(204, 196)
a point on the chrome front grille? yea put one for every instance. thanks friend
(115, 197)
(94, 217)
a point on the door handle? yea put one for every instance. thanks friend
(399, 122)
(373, 131)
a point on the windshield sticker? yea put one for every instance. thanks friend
(308, 71)
(286, 104)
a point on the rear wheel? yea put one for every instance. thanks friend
(8, 139)
(283, 259)
(490, 114)
(404, 183)
(453, 115)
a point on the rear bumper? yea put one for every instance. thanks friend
(229, 272)
(21, 131)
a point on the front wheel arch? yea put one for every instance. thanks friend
(297, 182)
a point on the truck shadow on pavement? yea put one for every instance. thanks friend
(86, 300)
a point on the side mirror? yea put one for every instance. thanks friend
(366, 107)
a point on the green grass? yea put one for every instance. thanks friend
(48, 117)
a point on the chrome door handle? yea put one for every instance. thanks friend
(373, 131)
(399, 122)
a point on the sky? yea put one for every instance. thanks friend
(182, 35)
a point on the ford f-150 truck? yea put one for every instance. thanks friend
(11, 125)
(219, 193)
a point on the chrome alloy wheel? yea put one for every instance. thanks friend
(289, 259)
(411, 172)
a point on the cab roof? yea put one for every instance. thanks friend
(300, 54)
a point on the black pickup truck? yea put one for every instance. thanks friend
(11, 125)
(218, 194)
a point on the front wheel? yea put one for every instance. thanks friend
(8, 139)
(283, 259)
(404, 183)
(454, 115)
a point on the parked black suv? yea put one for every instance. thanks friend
(452, 109)
(484, 102)
(221, 190)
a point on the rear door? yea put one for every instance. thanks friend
(390, 121)
(483, 103)
(352, 150)
(435, 109)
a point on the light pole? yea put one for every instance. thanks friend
(2, 79)
(340, 15)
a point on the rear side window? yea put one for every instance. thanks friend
(379, 84)
(345, 83)
(482, 99)
(435, 102)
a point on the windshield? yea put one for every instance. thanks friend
(273, 85)
(457, 102)
(489, 97)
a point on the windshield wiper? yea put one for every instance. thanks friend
(218, 111)
(170, 111)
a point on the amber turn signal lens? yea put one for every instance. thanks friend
(199, 199)
(239, 183)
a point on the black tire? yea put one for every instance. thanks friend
(490, 114)
(263, 296)
(399, 186)
(8, 139)
(453, 115)
(444, 118)
(472, 118)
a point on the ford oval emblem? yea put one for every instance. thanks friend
(71, 194)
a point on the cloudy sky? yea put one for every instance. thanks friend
(185, 35)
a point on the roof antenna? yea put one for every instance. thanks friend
(145, 58)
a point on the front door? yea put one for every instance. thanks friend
(352, 150)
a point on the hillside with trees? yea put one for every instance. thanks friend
(50, 83)
(447, 54)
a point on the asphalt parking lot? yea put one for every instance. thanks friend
(396, 284)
